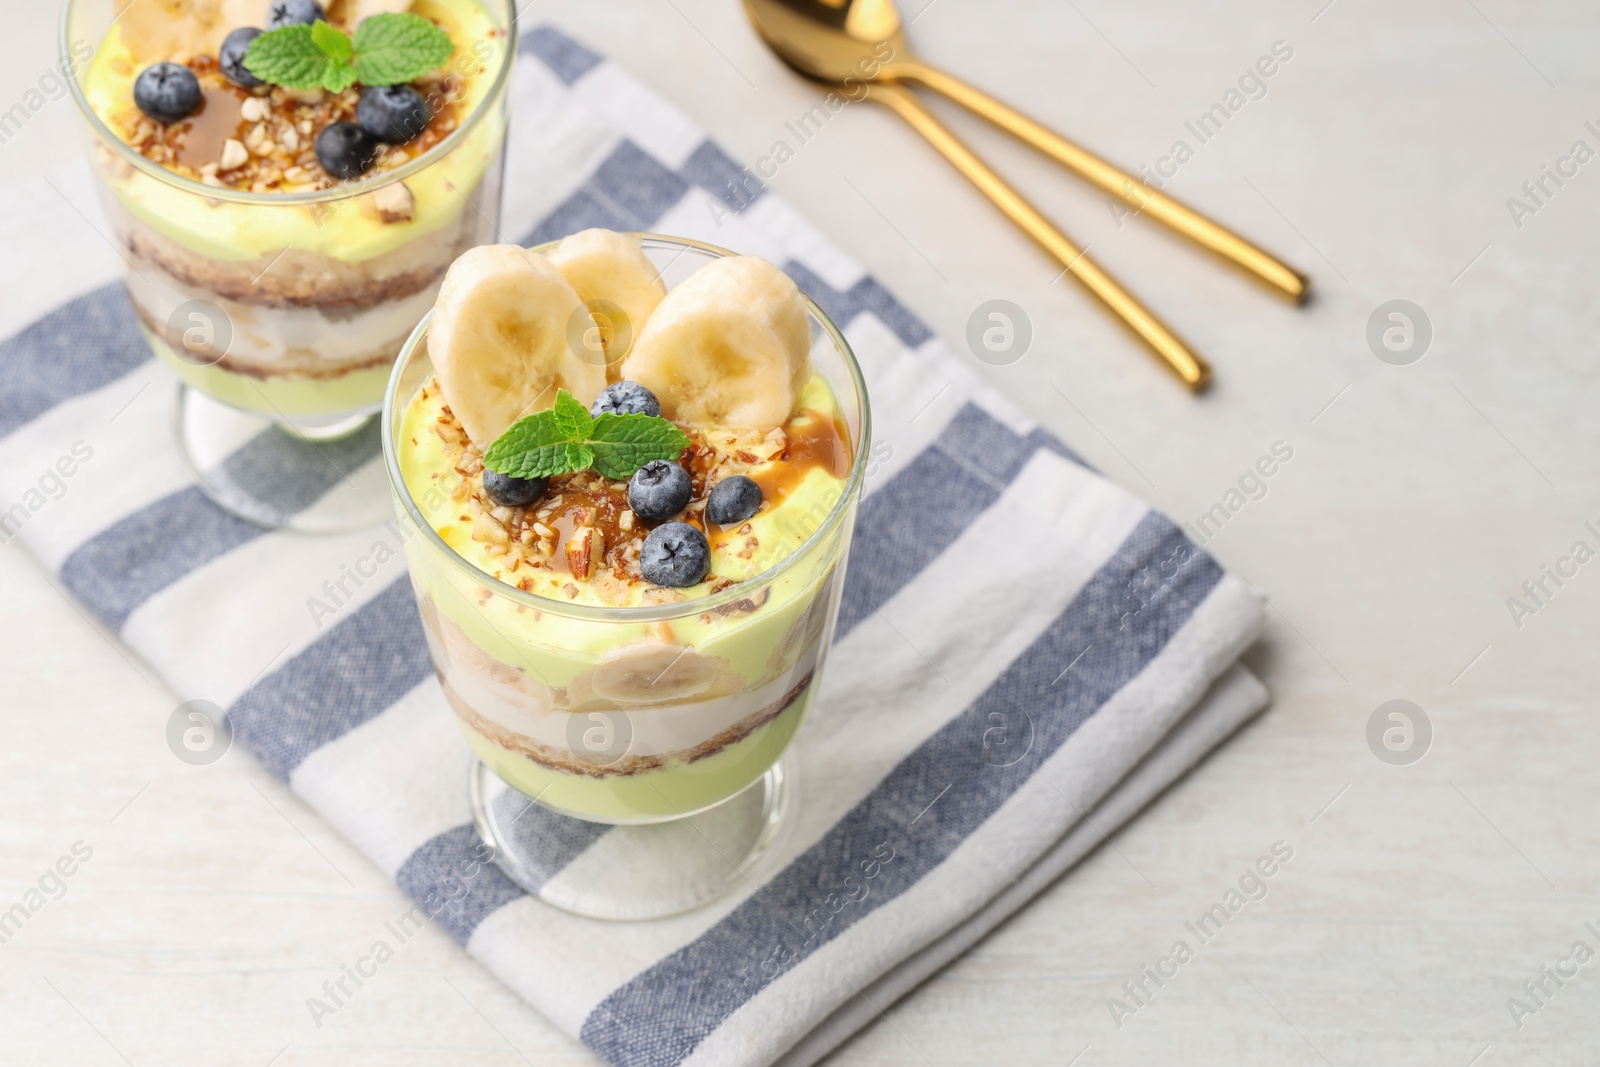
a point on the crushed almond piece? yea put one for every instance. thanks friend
(484, 528)
(394, 203)
(234, 155)
(584, 549)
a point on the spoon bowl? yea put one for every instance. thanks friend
(830, 40)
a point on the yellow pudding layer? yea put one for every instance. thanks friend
(340, 229)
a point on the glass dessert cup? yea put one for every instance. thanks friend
(283, 312)
(629, 759)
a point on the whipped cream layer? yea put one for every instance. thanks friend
(265, 341)
(547, 723)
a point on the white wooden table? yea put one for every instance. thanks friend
(1419, 498)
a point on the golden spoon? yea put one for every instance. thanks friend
(860, 45)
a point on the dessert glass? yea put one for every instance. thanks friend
(666, 723)
(285, 311)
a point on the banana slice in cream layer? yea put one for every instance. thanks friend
(650, 674)
(499, 339)
(729, 346)
(610, 268)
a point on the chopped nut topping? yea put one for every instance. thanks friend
(584, 548)
(394, 203)
(276, 130)
(234, 155)
(584, 529)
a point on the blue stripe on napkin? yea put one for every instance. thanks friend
(659, 1017)
(922, 510)
(630, 190)
(77, 348)
(712, 169)
(566, 58)
(132, 560)
(865, 295)
(363, 665)
(449, 878)
(547, 838)
(126, 564)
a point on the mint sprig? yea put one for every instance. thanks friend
(566, 438)
(388, 49)
(394, 48)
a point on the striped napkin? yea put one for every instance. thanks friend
(979, 730)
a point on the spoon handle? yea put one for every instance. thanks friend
(1152, 331)
(1132, 191)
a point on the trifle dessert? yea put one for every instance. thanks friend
(631, 499)
(289, 179)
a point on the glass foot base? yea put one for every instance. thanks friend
(318, 478)
(629, 872)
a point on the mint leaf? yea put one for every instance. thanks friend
(388, 49)
(397, 47)
(624, 443)
(564, 438)
(537, 446)
(332, 43)
(562, 458)
(337, 76)
(571, 416)
(293, 57)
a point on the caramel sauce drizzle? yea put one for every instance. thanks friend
(814, 442)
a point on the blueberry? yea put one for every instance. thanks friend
(393, 114)
(294, 13)
(659, 490)
(512, 492)
(733, 500)
(167, 92)
(231, 57)
(675, 555)
(625, 398)
(345, 150)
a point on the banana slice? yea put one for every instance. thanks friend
(619, 284)
(160, 29)
(351, 13)
(498, 339)
(729, 346)
(652, 673)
